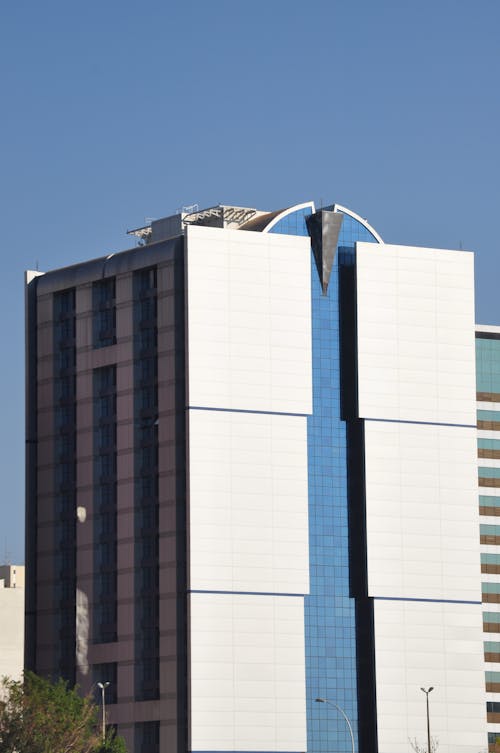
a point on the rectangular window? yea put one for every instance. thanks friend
(490, 559)
(105, 465)
(145, 281)
(487, 530)
(147, 737)
(105, 407)
(105, 496)
(104, 437)
(104, 313)
(64, 329)
(490, 588)
(105, 524)
(491, 617)
(64, 447)
(106, 554)
(64, 388)
(487, 501)
(65, 359)
(485, 472)
(65, 474)
(488, 415)
(488, 444)
(104, 380)
(104, 293)
(64, 303)
(147, 370)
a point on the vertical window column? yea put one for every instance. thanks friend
(105, 579)
(65, 480)
(146, 486)
(104, 313)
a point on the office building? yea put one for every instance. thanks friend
(252, 482)
(488, 443)
(11, 621)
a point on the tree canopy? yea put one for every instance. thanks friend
(39, 716)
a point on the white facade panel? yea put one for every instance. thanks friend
(248, 513)
(423, 644)
(247, 673)
(421, 511)
(248, 320)
(415, 312)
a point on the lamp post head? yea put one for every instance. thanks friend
(320, 700)
(427, 691)
(103, 685)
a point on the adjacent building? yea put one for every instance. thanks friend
(488, 443)
(252, 483)
(11, 621)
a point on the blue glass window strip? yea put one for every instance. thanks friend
(488, 444)
(487, 365)
(490, 559)
(486, 501)
(487, 530)
(485, 472)
(492, 647)
(490, 588)
(330, 625)
(488, 415)
(491, 617)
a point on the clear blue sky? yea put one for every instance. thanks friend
(117, 110)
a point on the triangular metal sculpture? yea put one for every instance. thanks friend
(324, 228)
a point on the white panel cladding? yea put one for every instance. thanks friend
(415, 310)
(248, 512)
(423, 644)
(421, 511)
(249, 320)
(247, 673)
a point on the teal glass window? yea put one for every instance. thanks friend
(487, 364)
(486, 501)
(491, 617)
(490, 559)
(487, 530)
(488, 444)
(488, 415)
(490, 588)
(492, 647)
(492, 676)
(485, 472)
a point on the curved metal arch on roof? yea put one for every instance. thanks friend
(336, 208)
(344, 210)
(288, 211)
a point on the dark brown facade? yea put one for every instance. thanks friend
(106, 537)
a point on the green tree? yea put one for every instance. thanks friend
(39, 716)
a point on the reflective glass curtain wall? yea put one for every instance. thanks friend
(330, 610)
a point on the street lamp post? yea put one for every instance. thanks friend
(103, 686)
(341, 710)
(428, 723)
